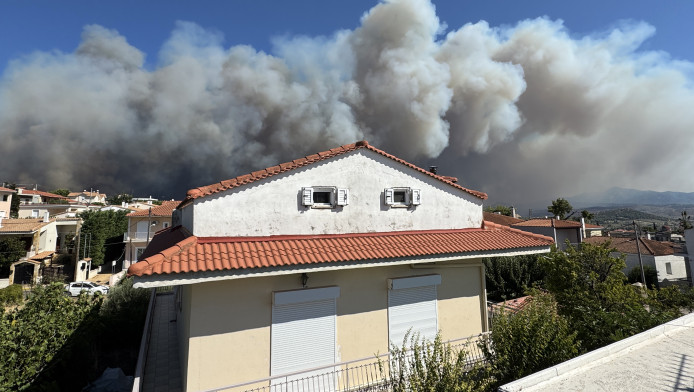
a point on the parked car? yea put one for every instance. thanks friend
(75, 288)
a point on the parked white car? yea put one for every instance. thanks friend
(75, 288)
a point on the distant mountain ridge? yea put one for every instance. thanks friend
(627, 197)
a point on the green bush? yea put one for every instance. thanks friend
(11, 295)
(534, 338)
(650, 273)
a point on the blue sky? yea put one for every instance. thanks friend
(48, 25)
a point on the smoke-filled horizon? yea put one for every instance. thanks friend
(525, 113)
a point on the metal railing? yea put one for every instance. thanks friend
(144, 345)
(138, 236)
(363, 375)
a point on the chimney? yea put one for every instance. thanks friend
(433, 169)
(123, 204)
(583, 227)
(513, 212)
(45, 217)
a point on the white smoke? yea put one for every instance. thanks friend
(522, 112)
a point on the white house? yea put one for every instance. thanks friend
(6, 201)
(142, 225)
(317, 262)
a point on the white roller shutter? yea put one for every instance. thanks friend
(412, 308)
(303, 337)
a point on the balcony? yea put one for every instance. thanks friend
(138, 236)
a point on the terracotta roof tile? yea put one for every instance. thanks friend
(560, 224)
(501, 219)
(196, 254)
(164, 210)
(3, 189)
(42, 255)
(628, 245)
(42, 194)
(300, 162)
(21, 225)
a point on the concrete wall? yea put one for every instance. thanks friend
(275, 203)
(5, 205)
(678, 264)
(229, 322)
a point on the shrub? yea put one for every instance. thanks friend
(650, 273)
(11, 295)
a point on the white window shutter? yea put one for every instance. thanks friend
(307, 196)
(416, 197)
(388, 194)
(342, 196)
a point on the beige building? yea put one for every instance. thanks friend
(88, 197)
(6, 201)
(40, 237)
(142, 225)
(302, 268)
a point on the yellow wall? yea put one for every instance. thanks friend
(229, 323)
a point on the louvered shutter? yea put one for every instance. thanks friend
(416, 197)
(388, 195)
(303, 337)
(412, 309)
(307, 196)
(342, 197)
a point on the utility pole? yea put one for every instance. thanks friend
(638, 250)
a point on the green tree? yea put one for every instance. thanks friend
(62, 192)
(560, 207)
(534, 338)
(650, 273)
(685, 222)
(120, 198)
(14, 204)
(11, 250)
(97, 227)
(504, 210)
(587, 215)
(510, 277)
(595, 297)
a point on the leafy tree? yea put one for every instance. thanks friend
(14, 204)
(120, 198)
(685, 222)
(587, 215)
(650, 273)
(98, 226)
(62, 192)
(560, 207)
(510, 277)
(11, 250)
(504, 210)
(534, 338)
(594, 296)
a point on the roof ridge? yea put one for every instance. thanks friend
(195, 193)
(286, 237)
(160, 257)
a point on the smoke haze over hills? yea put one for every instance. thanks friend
(525, 112)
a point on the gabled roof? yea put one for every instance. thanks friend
(593, 227)
(3, 189)
(41, 193)
(501, 219)
(164, 210)
(21, 226)
(194, 254)
(559, 224)
(310, 159)
(628, 245)
(86, 193)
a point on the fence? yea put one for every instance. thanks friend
(362, 375)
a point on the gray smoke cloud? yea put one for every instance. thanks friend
(525, 112)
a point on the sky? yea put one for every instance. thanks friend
(527, 101)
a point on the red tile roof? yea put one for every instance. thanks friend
(628, 245)
(501, 219)
(301, 162)
(23, 226)
(43, 255)
(194, 254)
(592, 226)
(3, 189)
(559, 224)
(512, 305)
(41, 193)
(164, 210)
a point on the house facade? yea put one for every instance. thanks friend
(88, 197)
(6, 195)
(672, 268)
(40, 237)
(322, 260)
(142, 225)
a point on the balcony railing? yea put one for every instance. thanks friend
(366, 374)
(138, 236)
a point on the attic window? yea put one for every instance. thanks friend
(402, 197)
(324, 197)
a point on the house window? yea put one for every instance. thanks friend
(4, 197)
(34, 213)
(402, 197)
(138, 253)
(303, 334)
(166, 225)
(412, 307)
(668, 268)
(324, 197)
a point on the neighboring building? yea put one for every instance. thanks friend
(500, 219)
(40, 238)
(33, 196)
(319, 261)
(54, 209)
(87, 197)
(6, 201)
(559, 230)
(672, 268)
(591, 230)
(142, 225)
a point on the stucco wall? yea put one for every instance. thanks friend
(275, 203)
(230, 320)
(679, 269)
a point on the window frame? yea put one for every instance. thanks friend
(338, 197)
(412, 197)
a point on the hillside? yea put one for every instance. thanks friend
(631, 197)
(622, 218)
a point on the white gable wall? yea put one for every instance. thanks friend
(272, 206)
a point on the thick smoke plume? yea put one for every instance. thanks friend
(524, 112)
